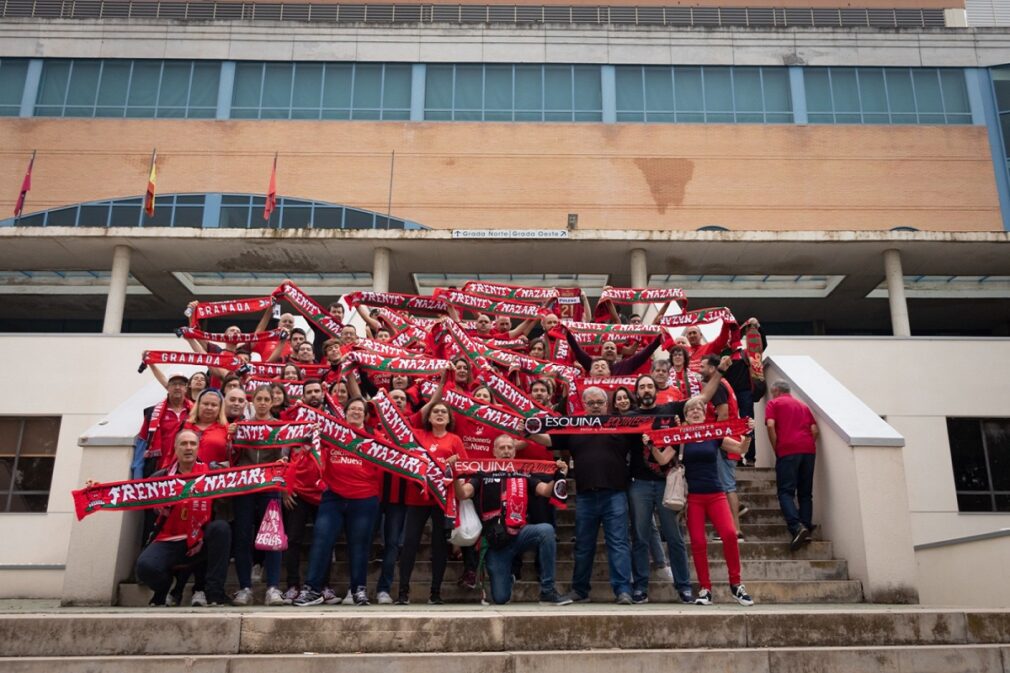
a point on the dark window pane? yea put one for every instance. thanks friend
(162, 217)
(34, 474)
(326, 218)
(10, 431)
(188, 216)
(115, 79)
(125, 216)
(40, 436)
(65, 217)
(203, 91)
(53, 88)
(1003, 503)
(94, 216)
(6, 475)
(357, 219)
(367, 86)
(974, 502)
(997, 443)
(967, 454)
(337, 87)
(295, 218)
(83, 83)
(29, 503)
(438, 87)
(235, 216)
(144, 85)
(12, 82)
(248, 81)
(558, 88)
(396, 87)
(469, 87)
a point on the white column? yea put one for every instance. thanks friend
(639, 276)
(896, 293)
(117, 290)
(380, 270)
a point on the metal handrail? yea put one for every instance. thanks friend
(387, 14)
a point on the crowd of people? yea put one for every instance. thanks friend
(537, 353)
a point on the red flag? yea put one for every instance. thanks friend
(151, 180)
(26, 186)
(271, 203)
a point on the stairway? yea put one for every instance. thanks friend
(773, 574)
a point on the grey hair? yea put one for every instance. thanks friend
(593, 389)
(781, 386)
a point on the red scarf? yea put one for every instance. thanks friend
(401, 302)
(502, 291)
(223, 360)
(627, 295)
(468, 302)
(219, 309)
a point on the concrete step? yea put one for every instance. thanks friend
(920, 659)
(763, 499)
(516, 628)
(763, 591)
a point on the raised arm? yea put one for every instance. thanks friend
(662, 312)
(523, 329)
(581, 356)
(632, 363)
(371, 323)
(159, 375)
(436, 396)
(713, 383)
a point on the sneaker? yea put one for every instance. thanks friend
(348, 599)
(663, 573)
(218, 600)
(741, 595)
(744, 510)
(171, 601)
(290, 595)
(330, 597)
(801, 538)
(403, 598)
(384, 598)
(575, 597)
(686, 597)
(199, 600)
(552, 597)
(361, 597)
(243, 597)
(704, 597)
(257, 573)
(740, 537)
(435, 599)
(623, 598)
(307, 596)
(468, 580)
(274, 597)
(639, 598)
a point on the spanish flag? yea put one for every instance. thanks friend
(271, 203)
(151, 180)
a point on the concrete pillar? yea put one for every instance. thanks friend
(117, 290)
(380, 270)
(896, 293)
(639, 276)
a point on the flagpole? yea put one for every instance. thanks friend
(31, 166)
(389, 202)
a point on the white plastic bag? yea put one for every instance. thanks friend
(468, 530)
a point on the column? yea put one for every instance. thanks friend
(31, 91)
(117, 290)
(608, 91)
(418, 80)
(380, 270)
(798, 92)
(896, 293)
(639, 276)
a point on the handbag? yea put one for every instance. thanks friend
(675, 492)
(468, 529)
(271, 535)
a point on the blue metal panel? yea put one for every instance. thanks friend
(798, 92)
(418, 73)
(608, 86)
(980, 87)
(31, 90)
(225, 88)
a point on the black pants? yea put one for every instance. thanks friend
(413, 528)
(158, 564)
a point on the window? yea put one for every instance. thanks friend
(321, 91)
(703, 94)
(531, 93)
(27, 454)
(886, 96)
(125, 88)
(980, 452)
(12, 85)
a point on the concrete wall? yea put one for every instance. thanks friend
(80, 379)
(915, 384)
(474, 175)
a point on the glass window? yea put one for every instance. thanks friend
(588, 89)
(367, 88)
(658, 89)
(276, 102)
(529, 91)
(438, 87)
(396, 90)
(203, 88)
(468, 90)
(113, 89)
(53, 86)
(12, 85)
(747, 92)
(558, 88)
(83, 84)
(777, 96)
(337, 90)
(27, 455)
(980, 455)
(498, 91)
(144, 85)
(248, 84)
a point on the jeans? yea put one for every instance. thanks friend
(795, 477)
(392, 539)
(611, 509)
(158, 563)
(538, 536)
(337, 513)
(249, 511)
(296, 523)
(646, 497)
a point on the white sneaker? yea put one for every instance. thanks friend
(384, 598)
(348, 599)
(663, 573)
(274, 597)
(199, 600)
(170, 601)
(257, 573)
(243, 597)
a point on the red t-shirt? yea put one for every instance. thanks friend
(186, 518)
(732, 412)
(669, 394)
(478, 439)
(305, 476)
(266, 349)
(441, 448)
(213, 442)
(793, 420)
(534, 451)
(349, 476)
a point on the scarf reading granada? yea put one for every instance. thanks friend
(699, 433)
(160, 491)
(227, 361)
(221, 337)
(218, 309)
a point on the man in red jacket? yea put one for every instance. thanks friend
(184, 535)
(793, 432)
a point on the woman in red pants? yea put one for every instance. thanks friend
(706, 498)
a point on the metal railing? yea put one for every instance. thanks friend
(758, 17)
